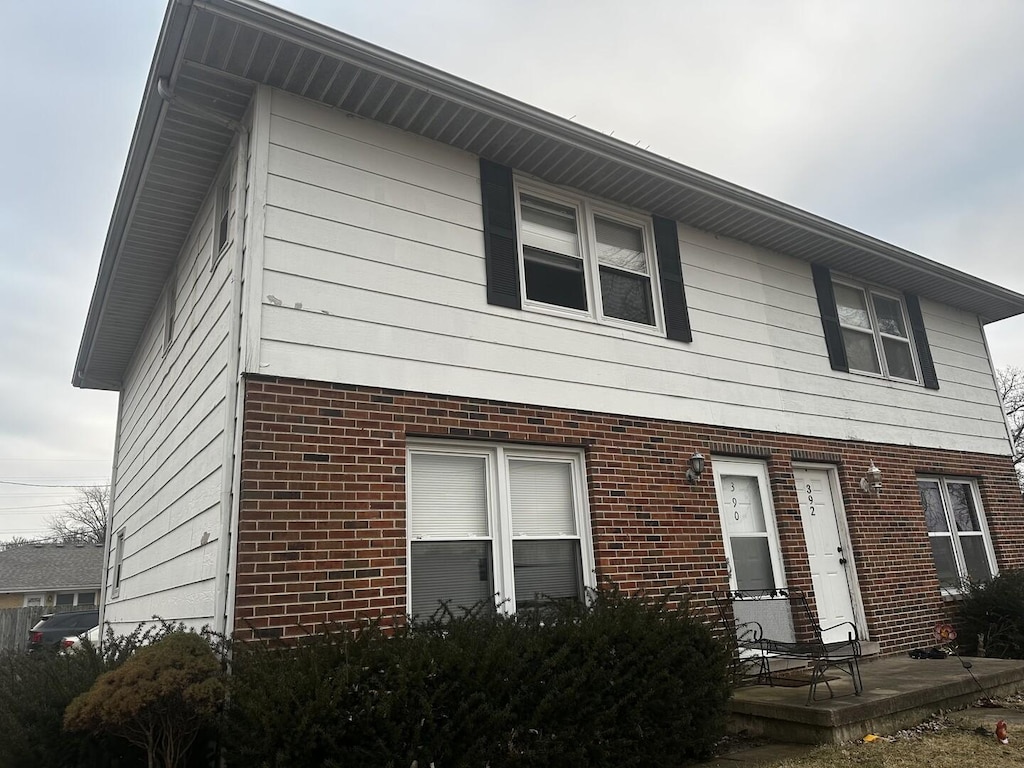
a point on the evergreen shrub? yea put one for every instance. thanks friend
(993, 612)
(624, 681)
(36, 688)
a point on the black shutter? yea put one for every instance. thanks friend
(924, 352)
(500, 251)
(673, 292)
(830, 317)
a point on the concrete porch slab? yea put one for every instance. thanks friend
(898, 692)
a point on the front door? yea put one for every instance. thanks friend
(832, 572)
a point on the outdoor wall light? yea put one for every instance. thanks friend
(696, 468)
(872, 480)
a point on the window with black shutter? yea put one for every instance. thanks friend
(553, 251)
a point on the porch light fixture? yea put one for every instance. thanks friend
(872, 480)
(696, 468)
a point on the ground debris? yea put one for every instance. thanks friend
(934, 724)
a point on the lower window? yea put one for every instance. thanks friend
(957, 531)
(495, 525)
(748, 525)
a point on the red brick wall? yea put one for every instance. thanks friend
(322, 521)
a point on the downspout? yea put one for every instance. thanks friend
(108, 536)
(232, 374)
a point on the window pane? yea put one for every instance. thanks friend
(67, 598)
(752, 562)
(549, 226)
(620, 245)
(554, 279)
(945, 564)
(931, 500)
(962, 501)
(626, 296)
(449, 496)
(458, 572)
(547, 570)
(860, 351)
(899, 359)
(853, 310)
(741, 498)
(541, 496)
(86, 598)
(973, 547)
(890, 316)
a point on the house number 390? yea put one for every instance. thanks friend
(810, 499)
(735, 503)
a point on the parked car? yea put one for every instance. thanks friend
(72, 643)
(52, 628)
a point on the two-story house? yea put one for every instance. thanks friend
(383, 337)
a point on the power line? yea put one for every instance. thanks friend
(42, 485)
(41, 506)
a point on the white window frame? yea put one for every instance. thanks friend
(876, 334)
(953, 534)
(115, 589)
(586, 209)
(759, 471)
(499, 510)
(75, 598)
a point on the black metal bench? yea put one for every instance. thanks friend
(765, 624)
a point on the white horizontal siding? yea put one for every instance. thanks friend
(170, 446)
(374, 274)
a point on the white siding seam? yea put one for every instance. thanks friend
(693, 398)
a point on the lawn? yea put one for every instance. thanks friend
(948, 747)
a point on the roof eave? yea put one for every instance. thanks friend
(165, 60)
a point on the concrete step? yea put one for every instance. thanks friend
(898, 692)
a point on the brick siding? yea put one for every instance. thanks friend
(322, 534)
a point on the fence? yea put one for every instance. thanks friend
(16, 622)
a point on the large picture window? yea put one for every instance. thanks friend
(497, 523)
(748, 525)
(586, 258)
(957, 531)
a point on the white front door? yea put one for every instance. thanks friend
(831, 569)
(748, 524)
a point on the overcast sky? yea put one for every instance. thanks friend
(903, 120)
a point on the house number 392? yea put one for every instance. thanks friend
(810, 499)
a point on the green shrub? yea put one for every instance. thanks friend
(36, 688)
(622, 682)
(994, 612)
(158, 700)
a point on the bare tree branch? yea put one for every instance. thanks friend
(84, 519)
(1010, 382)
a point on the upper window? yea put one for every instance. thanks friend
(115, 589)
(222, 216)
(875, 332)
(748, 525)
(169, 311)
(500, 524)
(585, 258)
(957, 531)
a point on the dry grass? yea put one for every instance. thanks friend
(951, 748)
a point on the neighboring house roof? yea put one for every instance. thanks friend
(214, 53)
(46, 567)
